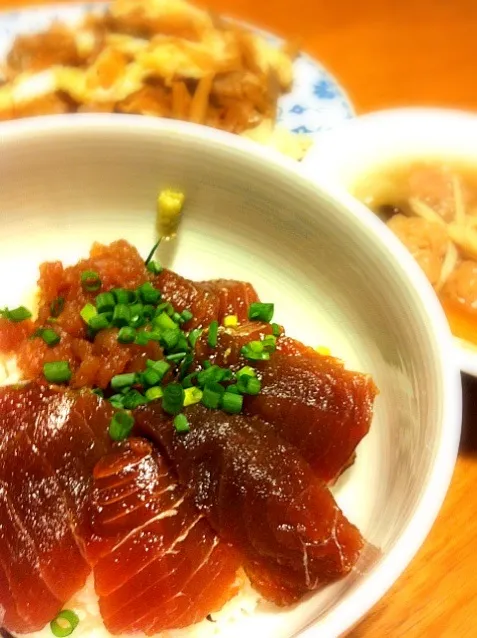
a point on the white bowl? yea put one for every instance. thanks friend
(337, 275)
(349, 151)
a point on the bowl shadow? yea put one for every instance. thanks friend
(468, 442)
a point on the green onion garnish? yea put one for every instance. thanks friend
(98, 392)
(232, 403)
(148, 311)
(87, 312)
(193, 336)
(212, 335)
(166, 307)
(136, 312)
(176, 357)
(126, 334)
(121, 381)
(181, 424)
(177, 318)
(270, 343)
(90, 281)
(56, 306)
(161, 367)
(276, 330)
(173, 398)
(247, 384)
(121, 295)
(148, 293)
(170, 337)
(186, 315)
(16, 314)
(120, 426)
(185, 365)
(100, 322)
(150, 377)
(64, 624)
(50, 337)
(255, 351)
(105, 302)
(154, 393)
(188, 381)
(251, 372)
(153, 250)
(164, 322)
(261, 311)
(142, 338)
(212, 395)
(192, 395)
(121, 315)
(117, 401)
(57, 371)
(133, 399)
(154, 267)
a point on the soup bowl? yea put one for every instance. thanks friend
(397, 137)
(338, 278)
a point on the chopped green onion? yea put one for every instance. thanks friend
(98, 392)
(120, 426)
(207, 364)
(165, 307)
(233, 388)
(164, 322)
(154, 393)
(177, 318)
(133, 399)
(153, 250)
(212, 395)
(148, 311)
(161, 367)
(87, 312)
(185, 365)
(181, 424)
(214, 374)
(247, 384)
(121, 381)
(232, 403)
(117, 401)
(192, 395)
(142, 338)
(126, 334)
(186, 315)
(136, 312)
(212, 335)
(176, 357)
(121, 315)
(105, 302)
(50, 337)
(261, 311)
(153, 335)
(16, 315)
(173, 398)
(182, 344)
(100, 322)
(270, 343)
(121, 295)
(64, 624)
(276, 330)
(255, 351)
(150, 377)
(170, 337)
(148, 293)
(57, 371)
(154, 267)
(90, 280)
(188, 381)
(56, 306)
(251, 372)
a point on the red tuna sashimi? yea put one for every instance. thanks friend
(309, 399)
(51, 443)
(159, 565)
(208, 300)
(260, 495)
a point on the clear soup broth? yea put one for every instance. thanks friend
(431, 206)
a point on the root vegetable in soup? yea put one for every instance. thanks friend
(432, 208)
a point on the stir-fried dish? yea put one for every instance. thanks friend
(163, 58)
(432, 208)
(169, 439)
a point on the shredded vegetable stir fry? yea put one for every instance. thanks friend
(162, 58)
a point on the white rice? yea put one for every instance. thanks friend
(85, 605)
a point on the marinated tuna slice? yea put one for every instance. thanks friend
(309, 399)
(159, 565)
(261, 496)
(209, 300)
(51, 441)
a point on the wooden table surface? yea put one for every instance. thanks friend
(394, 53)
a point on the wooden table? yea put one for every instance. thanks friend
(394, 53)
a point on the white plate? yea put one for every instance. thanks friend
(317, 102)
(343, 155)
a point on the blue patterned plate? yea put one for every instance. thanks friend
(317, 102)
